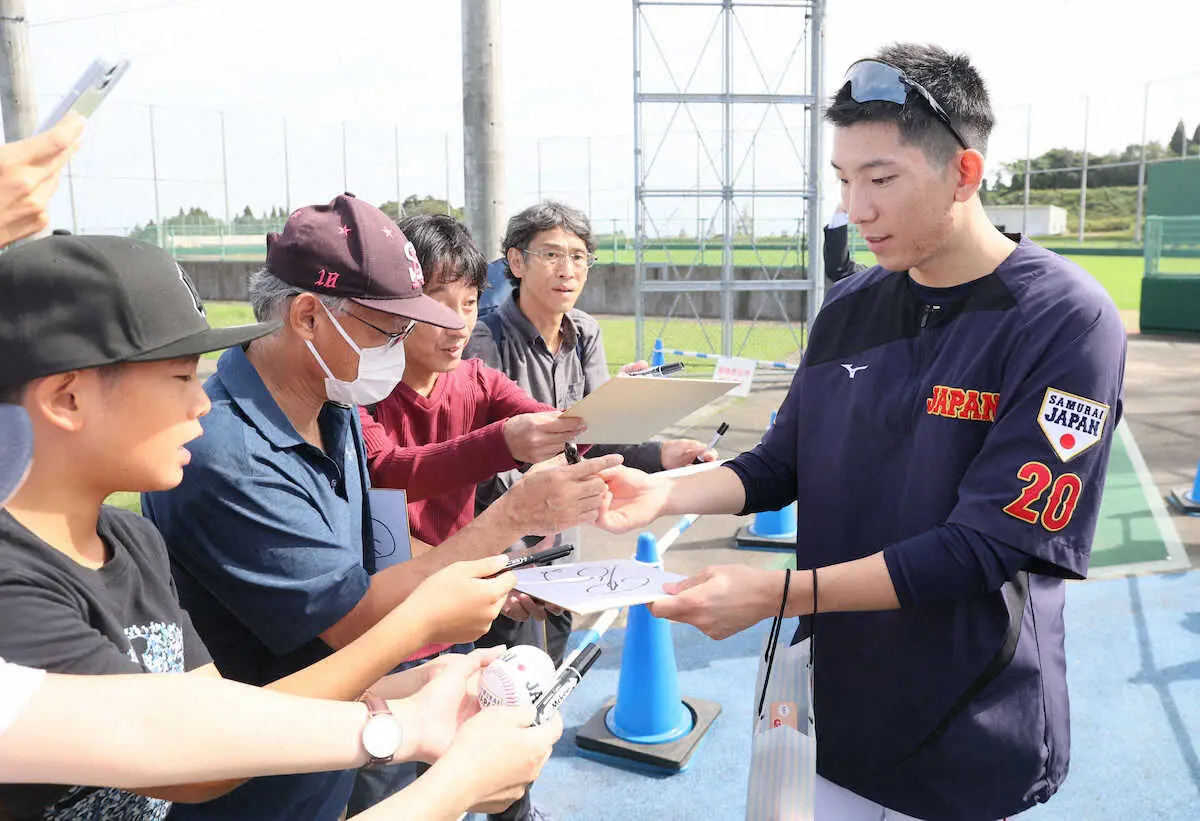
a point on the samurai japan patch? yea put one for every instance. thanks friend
(1071, 423)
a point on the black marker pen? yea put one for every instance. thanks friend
(660, 370)
(566, 682)
(712, 443)
(572, 453)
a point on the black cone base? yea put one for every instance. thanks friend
(597, 743)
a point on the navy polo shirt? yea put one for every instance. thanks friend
(266, 536)
(993, 412)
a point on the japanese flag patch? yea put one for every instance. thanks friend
(1072, 424)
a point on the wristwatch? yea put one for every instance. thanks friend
(382, 734)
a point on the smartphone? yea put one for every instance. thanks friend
(534, 556)
(89, 90)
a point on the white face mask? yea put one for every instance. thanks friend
(380, 370)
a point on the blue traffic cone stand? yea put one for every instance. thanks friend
(771, 529)
(1187, 500)
(648, 726)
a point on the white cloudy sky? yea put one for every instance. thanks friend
(392, 70)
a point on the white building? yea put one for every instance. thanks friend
(1044, 220)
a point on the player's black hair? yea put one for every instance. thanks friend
(952, 81)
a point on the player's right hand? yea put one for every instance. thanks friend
(29, 172)
(536, 437)
(635, 499)
(457, 604)
(499, 755)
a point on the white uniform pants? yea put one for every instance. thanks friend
(834, 803)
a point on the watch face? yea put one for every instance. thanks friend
(381, 736)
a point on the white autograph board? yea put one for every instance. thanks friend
(591, 587)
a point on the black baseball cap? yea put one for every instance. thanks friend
(68, 303)
(16, 449)
(349, 248)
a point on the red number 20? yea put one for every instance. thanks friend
(1060, 506)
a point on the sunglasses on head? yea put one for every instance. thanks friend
(875, 81)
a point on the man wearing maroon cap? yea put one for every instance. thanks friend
(269, 531)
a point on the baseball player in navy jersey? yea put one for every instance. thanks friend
(946, 438)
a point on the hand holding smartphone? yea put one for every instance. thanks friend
(88, 92)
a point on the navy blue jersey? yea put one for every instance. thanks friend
(993, 411)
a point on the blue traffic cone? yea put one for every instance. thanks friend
(649, 709)
(771, 529)
(656, 358)
(1188, 501)
(650, 726)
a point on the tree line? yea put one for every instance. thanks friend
(1045, 174)
(198, 221)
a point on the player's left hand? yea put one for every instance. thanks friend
(723, 599)
(677, 453)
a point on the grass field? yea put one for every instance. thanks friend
(1121, 276)
(775, 341)
(224, 314)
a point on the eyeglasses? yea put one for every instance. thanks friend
(393, 337)
(876, 81)
(553, 258)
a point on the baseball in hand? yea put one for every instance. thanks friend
(516, 679)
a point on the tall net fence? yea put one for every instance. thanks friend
(1172, 245)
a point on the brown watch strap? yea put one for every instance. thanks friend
(376, 707)
(375, 704)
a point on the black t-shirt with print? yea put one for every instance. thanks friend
(60, 616)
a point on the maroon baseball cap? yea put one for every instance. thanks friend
(349, 248)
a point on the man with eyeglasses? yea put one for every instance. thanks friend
(270, 532)
(946, 439)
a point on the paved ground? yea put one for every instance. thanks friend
(1132, 644)
(1162, 405)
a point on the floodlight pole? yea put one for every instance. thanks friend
(19, 106)
(1083, 179)
(1028, 163)
(483, 124)
(814, 267)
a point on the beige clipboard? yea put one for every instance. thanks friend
(627, 410)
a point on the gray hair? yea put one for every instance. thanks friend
(545, 216)
(269, 296)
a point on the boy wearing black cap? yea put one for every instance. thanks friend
(102, 337)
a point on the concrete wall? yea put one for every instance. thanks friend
(221, 280)
(609, 291)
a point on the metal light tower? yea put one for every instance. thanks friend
(673, 96)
